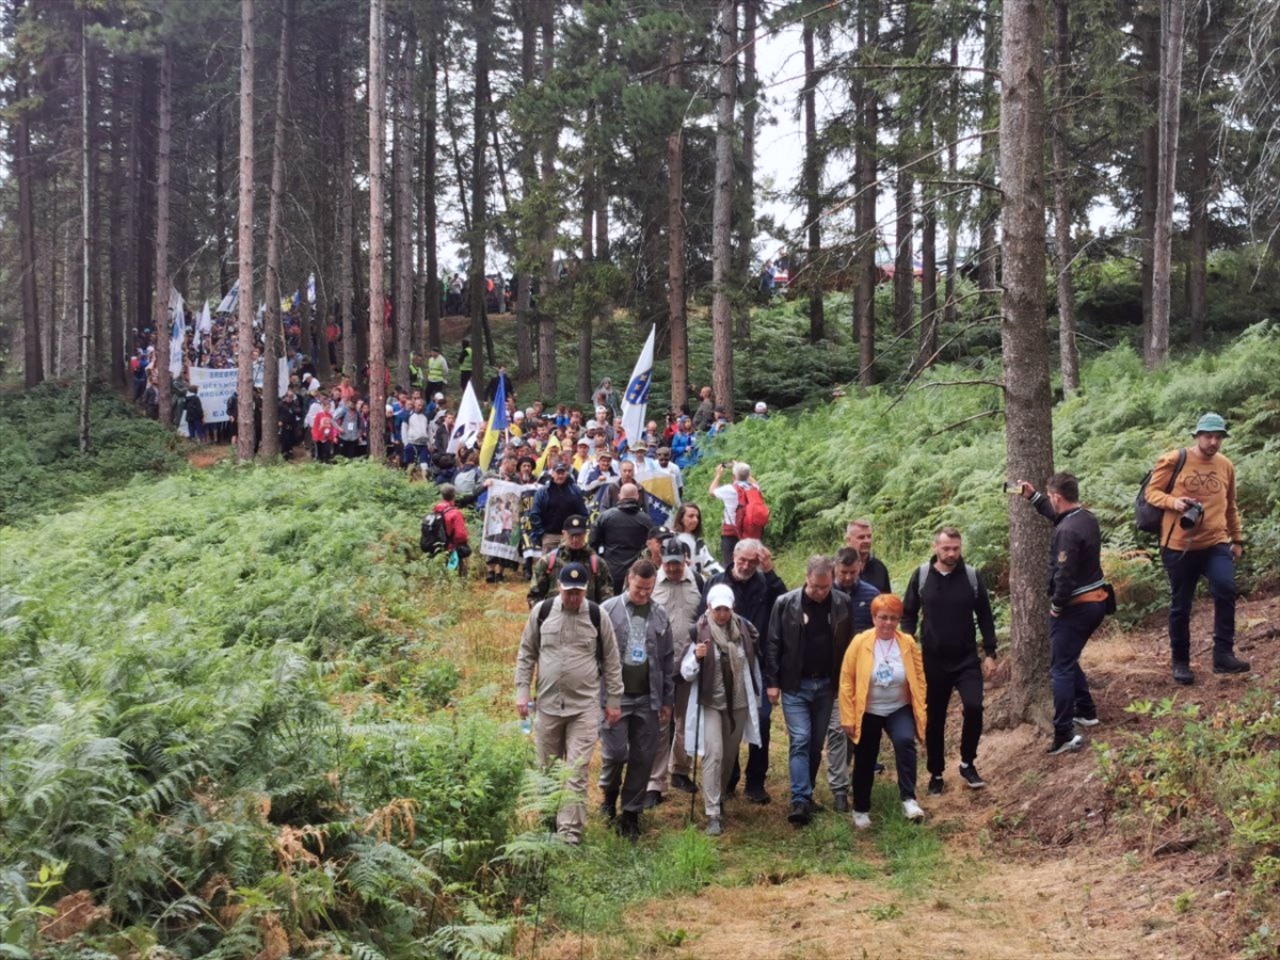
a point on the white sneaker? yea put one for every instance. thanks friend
(861, 821)
(911, 810)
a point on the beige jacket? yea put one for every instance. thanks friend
(569, 657)
(682, 600)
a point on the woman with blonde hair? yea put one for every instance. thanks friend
(882, 690)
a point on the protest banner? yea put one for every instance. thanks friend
(503, 527)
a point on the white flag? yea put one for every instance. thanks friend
(231, 300)
(204, 325)
(469, 419)
(177, 331)
(635, 402)
(311, 290)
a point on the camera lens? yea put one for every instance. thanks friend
(1191, 516)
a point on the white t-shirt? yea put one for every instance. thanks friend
(728, 495)
(888, 690)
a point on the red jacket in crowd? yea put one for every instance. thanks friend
(455, 527)
(322, 428)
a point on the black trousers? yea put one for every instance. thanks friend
(901, 727)
(941, 678)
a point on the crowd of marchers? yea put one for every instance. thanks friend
(670, 663)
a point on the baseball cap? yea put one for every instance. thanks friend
(761, 406)
(438, 396)
(1211, 423)
(659, 533)
(519, 415)
(573, 576)
(575, 524)
(721, 595)
(560, 467)
(673, 552)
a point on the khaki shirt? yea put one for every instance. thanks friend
(682, 601)
(564, 652)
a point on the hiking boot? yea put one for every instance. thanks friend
(1229, 663)
(756, 795)
(972, 779)
(798, 815)
(714, 827)
(653, 798)
(628, 825)
(1182, 673)
(842, 803)
(1091, 721)
(1065, 744)
(681, 782)
(935, 785)
(815, 806)
(911, 810)
(861, 821)
(609, 808)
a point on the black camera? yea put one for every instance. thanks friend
(1191, 516)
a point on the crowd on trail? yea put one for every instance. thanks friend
(670, 655)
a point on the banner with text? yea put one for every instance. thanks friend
(217, 385)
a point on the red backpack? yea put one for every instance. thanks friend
(753, 513)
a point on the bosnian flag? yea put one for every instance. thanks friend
(231, 300)
(497, 424)
(635, 402)
(468, 421)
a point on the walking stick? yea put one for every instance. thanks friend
(697, 741)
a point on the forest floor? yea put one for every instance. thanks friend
(1038, 864)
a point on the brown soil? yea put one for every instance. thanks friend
(203, 457)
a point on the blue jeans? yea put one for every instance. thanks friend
(807, 712)
(1068, 633)
(1218, 567)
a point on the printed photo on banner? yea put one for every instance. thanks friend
(503, 530)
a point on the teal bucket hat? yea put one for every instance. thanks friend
(1211, 423)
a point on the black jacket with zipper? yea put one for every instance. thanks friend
(784, 644)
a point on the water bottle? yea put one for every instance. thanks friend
(526, 724)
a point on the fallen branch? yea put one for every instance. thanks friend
(977, 416)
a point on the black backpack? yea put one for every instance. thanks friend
(433, 536)
(1147, 518)
(593, 611)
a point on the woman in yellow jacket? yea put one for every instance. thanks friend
(882, 690)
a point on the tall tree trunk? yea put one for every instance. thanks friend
(346, 230)
(950, 310)
(988, 162)
(245, 439)
(525, 239)
(145, 185)
(220, 202)
(722, 213)
(403, 187)
(749, 93)
(430, 149)
(1028, 406)
(929, 314)
(675, 243)
(115, 219)
(547, 374)
(586, 326)
(1199, 191)
(1172, 16)
(812, 190)
(99, 341)
(1068, 356)
(865, 209)
(32, 359)
(1147, 28)
(272, 334)
(86, 214)
(482, 10)
(904, 280)
(377, 241)
(161, 321)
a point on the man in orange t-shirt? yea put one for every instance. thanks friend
(1201, 536)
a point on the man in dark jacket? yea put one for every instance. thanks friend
(491, 391)
(809, 631)
(754, 592)
(860, 593)
(951, 596)
(621, 533)
(553, 504)
(1078, 602)
(858, 535)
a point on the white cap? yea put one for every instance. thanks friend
(721, 595)
(761, 406)
(438, 396)
(519, 415)
(602, 409)
(592, 425)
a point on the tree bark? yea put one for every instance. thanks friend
(526, 241)
(548, 377)
(272, 334)
(722, 213)
(115, 218)
(1199, 189)
(1173, 13)
(1028, 402)
(950, 310)
(432, 286)
(1147, 28)
(32, 355)
(677, 318)
(346, 230)
(245, 439)
(377, 241)
(864, 304)
(748, 91)
(145, 181)
(1068, 355)
(482, 10)
(403, 187)
(812, 190)
(988, 163)
(220, 203)
(904, 281)
(161, 321)
(86, 214)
